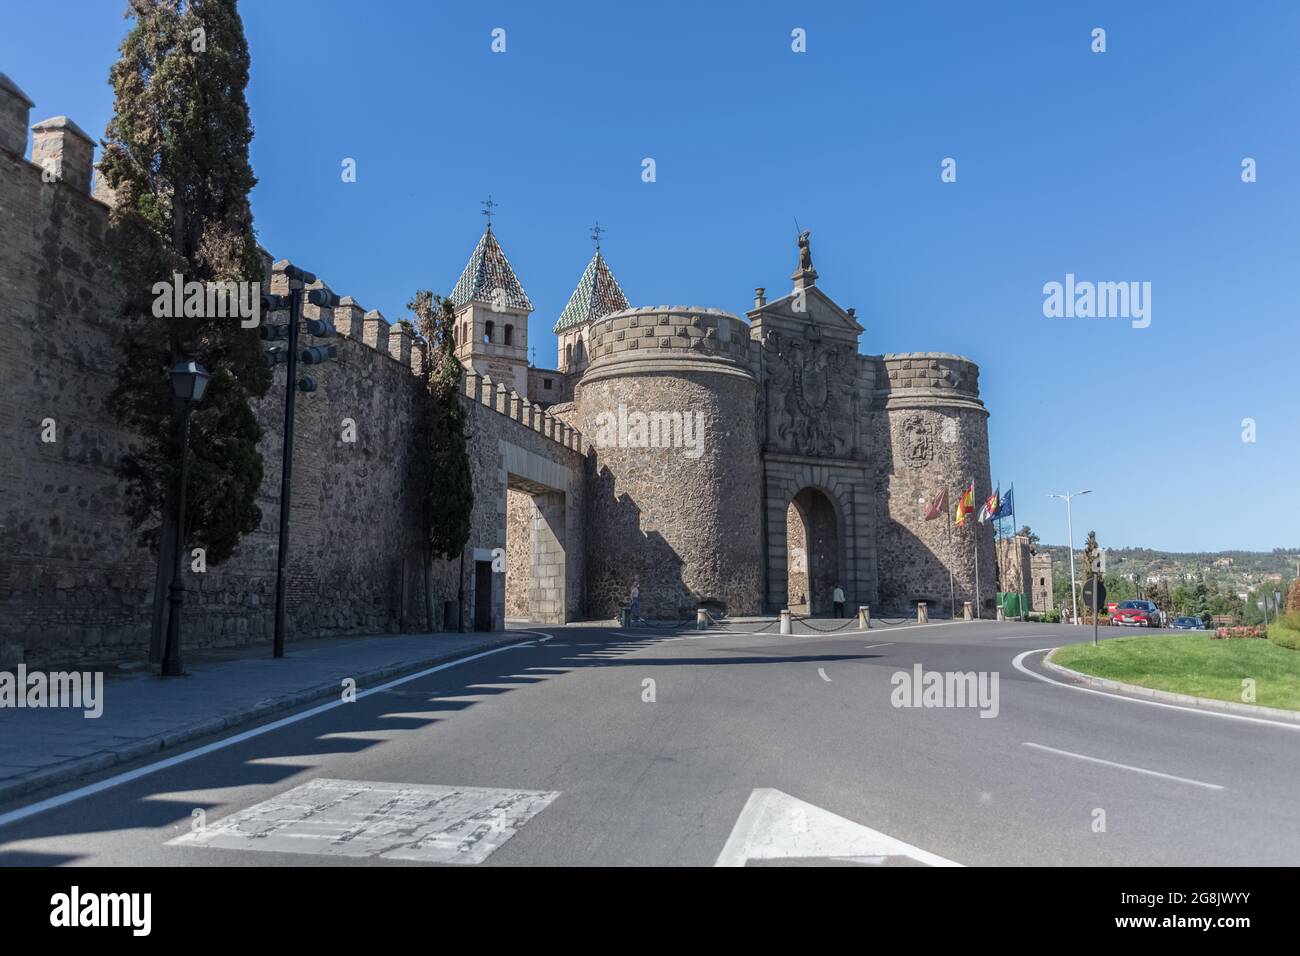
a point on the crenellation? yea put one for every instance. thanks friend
(15, 114)
(64, 150)
(375, 330)
(400, 337)
(349, 318)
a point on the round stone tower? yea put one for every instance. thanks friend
(936, 428)
(668, 402)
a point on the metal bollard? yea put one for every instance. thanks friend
(701, 619)
(921, 616)
(785, 621)
(864, 617)
(966, 612)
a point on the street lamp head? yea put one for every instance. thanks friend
(189, 381)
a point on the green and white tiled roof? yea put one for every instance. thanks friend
(488, 269)
(597, 295)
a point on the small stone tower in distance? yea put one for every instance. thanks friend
(492, 312)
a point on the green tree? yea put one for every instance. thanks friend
(176, 160)
(1028, 533)
(443, 457)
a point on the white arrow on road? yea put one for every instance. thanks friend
(777, 826)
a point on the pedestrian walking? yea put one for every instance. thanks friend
(636, 603)
(838, 599)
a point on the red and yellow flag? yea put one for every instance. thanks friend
(966, 504)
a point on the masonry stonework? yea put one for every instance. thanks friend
(684, 449)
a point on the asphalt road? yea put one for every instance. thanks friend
(632, 781)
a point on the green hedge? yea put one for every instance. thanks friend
(1284, 636)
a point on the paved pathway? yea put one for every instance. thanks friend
(143, 713)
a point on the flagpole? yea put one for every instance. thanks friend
(1015, 531)
(952, 591)
(976, 537)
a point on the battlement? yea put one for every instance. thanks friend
(917, 374)
(506, 401)
(669, 332)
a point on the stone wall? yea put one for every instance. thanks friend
(937, 431)
(682, 522)
(75, 585)
(1013, 564)
(1041, 596)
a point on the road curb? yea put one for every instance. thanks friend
(1168, 697)
(15, 787)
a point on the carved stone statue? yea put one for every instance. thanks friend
(805, 251)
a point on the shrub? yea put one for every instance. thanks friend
(1284, 636)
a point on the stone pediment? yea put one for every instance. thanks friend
(803, 307)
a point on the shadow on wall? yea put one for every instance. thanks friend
(922, 575)
(623, 554)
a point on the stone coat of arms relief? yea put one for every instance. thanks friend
(811, 397)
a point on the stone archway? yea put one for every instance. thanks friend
(812, 551)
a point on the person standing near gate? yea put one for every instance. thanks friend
(636, 602)
(838, 599)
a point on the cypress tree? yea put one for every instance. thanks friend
(176, 159)
(442, 455)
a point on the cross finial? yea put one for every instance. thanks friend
(488, 205)
(596, 233)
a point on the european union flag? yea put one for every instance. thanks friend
(1005, 507)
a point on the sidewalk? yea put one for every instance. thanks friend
(143, 713)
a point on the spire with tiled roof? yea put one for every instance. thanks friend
(488, 269)
(597, 295)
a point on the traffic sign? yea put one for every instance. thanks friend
(1087, 593)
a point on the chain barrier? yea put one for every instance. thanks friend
(824, 630)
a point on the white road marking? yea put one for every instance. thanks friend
(1019, 665)
(63, 799)
(1022, 637)
(387, 821)
(822, 671)
(890, 644)
(1124, 766)
(775, 826)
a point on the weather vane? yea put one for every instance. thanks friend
(596, 233)
(488, 205)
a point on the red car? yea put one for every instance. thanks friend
(1136, 614)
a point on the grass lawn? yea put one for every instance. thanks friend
(1193, 664)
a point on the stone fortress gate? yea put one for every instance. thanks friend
(744, 463)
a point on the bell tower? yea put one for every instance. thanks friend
(492, 312)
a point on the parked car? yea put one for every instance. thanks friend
(1137, 614)
(1188, 624)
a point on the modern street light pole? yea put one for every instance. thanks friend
(189, 382)
(286, 469)
(1069, 529)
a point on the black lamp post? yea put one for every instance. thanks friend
(189, 382)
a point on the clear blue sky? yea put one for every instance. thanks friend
(1117, 166)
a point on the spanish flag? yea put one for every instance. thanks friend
(965, 504)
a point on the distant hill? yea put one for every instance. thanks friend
(1229, 572)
